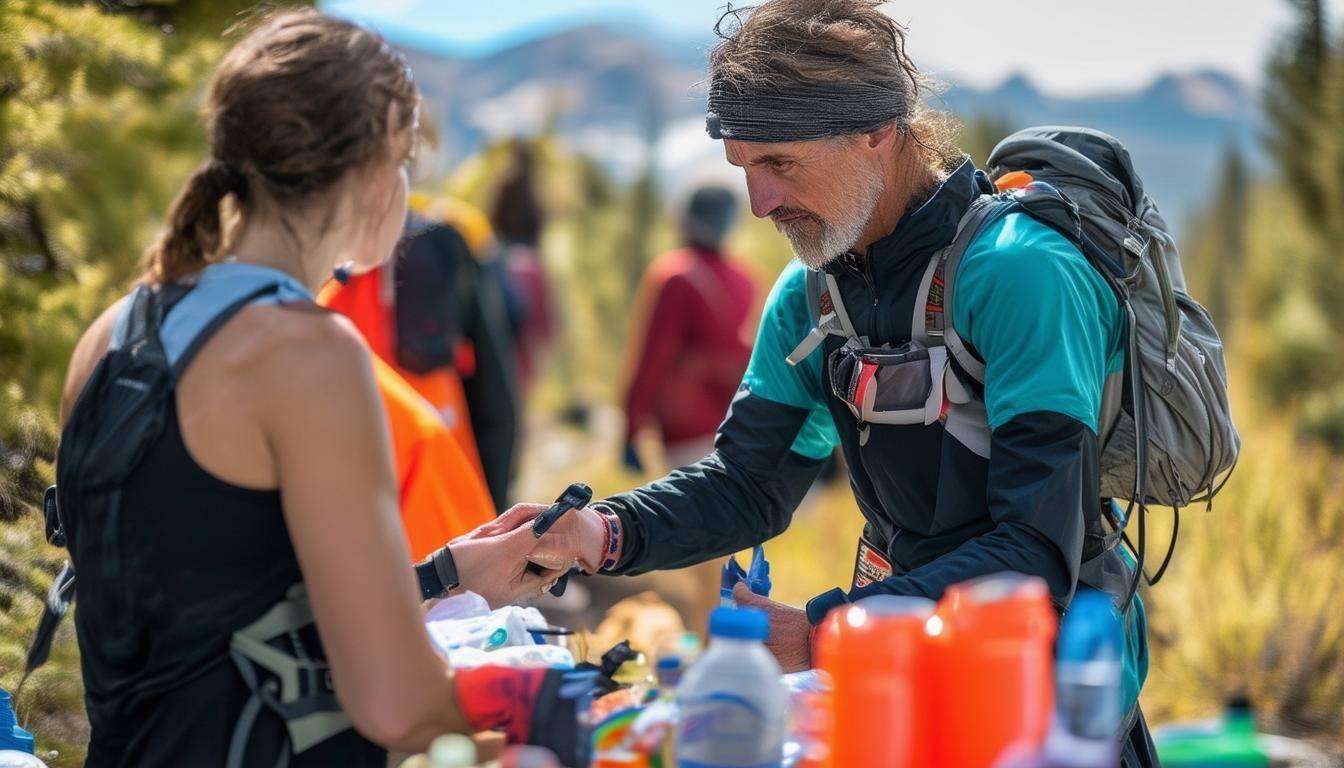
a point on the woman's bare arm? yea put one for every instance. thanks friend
(326, 428)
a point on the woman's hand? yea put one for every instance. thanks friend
(494, 564)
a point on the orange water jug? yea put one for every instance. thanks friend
(990, 644)
(876, 658)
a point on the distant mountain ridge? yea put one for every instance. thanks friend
(608, 88)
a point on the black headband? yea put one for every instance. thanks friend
(801, 112)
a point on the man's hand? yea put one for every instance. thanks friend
(790, 632)
(495, 566)
(576, 538)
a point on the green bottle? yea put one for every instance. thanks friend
(1230, 742)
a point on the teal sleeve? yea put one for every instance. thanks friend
(1135, 671)
(784, 322)
(1043, 320)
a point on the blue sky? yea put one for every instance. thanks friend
(1065, 46)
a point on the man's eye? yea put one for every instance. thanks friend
(781, 166)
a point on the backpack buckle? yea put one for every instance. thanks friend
(806, 347)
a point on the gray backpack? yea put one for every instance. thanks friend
(1171, 444)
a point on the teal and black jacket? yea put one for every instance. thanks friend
(1049, 330)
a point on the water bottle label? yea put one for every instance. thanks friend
(1087, 698)
(725, 729)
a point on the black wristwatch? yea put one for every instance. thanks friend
(437, 575)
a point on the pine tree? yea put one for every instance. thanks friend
(1220, 243)
(1304, 103)
(1296, 107)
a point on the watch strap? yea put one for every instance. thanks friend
(437, 574)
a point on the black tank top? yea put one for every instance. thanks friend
(193, 558)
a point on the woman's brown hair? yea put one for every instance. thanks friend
(299, 101)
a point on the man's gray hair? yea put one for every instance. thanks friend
(791, 70)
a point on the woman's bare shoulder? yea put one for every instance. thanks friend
(297, 335)
(290, 353)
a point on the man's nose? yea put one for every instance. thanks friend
(765, 194)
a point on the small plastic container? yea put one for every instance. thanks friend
(1230, 742)
(993, 653)
(876, 658)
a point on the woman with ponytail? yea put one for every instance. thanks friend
(271, 469)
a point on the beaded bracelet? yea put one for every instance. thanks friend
(611, 541)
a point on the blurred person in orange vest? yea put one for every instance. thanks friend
(440, 488)
(429, 314)
(695, 316)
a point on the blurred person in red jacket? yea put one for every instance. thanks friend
(692, 336)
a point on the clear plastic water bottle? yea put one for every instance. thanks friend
(734, 707)
(1086, 728)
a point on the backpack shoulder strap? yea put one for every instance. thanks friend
(833, 305)
(220, 292)
(933, 309)
(828, 314)
(132, 319)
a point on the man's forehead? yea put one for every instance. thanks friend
(747, 153)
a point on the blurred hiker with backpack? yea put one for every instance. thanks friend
(517, 218)
(224, 480)
(1000, 366)
(691, 338)
(432, 313)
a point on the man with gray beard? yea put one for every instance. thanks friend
(819, 105)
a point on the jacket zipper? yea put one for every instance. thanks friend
(868, 275)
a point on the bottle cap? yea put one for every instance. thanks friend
(452, 750)
(739, 623)
(1091, 629)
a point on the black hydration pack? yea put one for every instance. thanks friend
(120, 414)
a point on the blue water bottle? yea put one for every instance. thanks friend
(1086, 728)
(12, 737)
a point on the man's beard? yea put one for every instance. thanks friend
(817, 242)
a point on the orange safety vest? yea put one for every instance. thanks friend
(442, 493)
(367, 300)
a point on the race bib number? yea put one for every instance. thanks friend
(870, 565)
